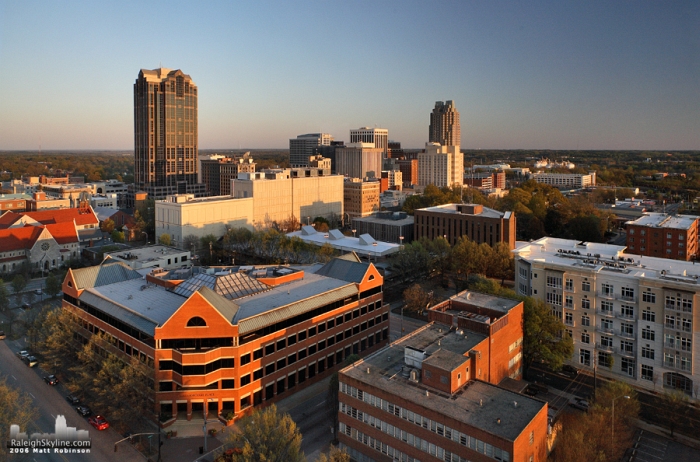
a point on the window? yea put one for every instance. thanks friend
(245, 359)
(627, 366)
(627, 329)
(648, 334)
(569, 319)
(670, 321)
(626, 346)
(585, 320)
(569, 301)
(553, 298)
(585, 338)
(553, 281)
(585, 303)
(647, 372)
(257, 354)
(523, 272)
(606, 342)
(628, 311)
(628, 293)
(648, 315)
(245, 380)
(569, 284)
(586, 286)
(687, 326)
(647, 352)
(604, 359)
(606, 324)
(607, 289)
(196, 322)
(585, 357)
(606, 307)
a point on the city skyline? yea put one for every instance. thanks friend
(546, 75)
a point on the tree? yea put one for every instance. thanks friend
(544, 337)
(15, 408)
(18, 285)
(164, 239)
(117, 236)
(4, 297)
(417, 299)
(108, 226)
(52, 285)
(335, 455)
(55, 335)
(501, 264)
(675, 409)
(268, 436)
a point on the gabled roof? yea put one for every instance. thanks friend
(8, 218)
(227, 308)
(19, 238)
(107, 272)
(63, 233)
(345, 270)
(80, 216)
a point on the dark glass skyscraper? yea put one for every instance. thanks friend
(165, 133)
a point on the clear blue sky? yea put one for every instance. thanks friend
(537, 74)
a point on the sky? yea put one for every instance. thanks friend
(536, 74)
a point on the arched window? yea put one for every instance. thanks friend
(371, 277)
(70, 284)
(196, 322)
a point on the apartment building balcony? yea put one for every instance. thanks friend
(626, 317)
(606, 313)
(606, 348)
(606, 295)
(680, 309)
(626, 298)
(675, 346)
(627, 353)
(604, 330)
(679, 366)
(621, 333)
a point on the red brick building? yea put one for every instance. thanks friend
(232, 341)
(432, 395)
(479, 223)
(664, 236)
(409, 172)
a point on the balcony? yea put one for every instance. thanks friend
(626, 298)
(624, 334)
(627, 317)
(627, 353)
(606, 348)
(607, 295)
(606, 313)
(604, 330)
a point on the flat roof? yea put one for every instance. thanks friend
(345, 243)
(386, 220)
(607, 257)
(452, 208)
(477, 404)
(662, 220)
(149, 253)
(485, 301)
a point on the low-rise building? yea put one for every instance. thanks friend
(452, 221)
(396, 227)
(153, 256)
(230, 342)
(565, 180)
(360, 198)
(433, 395)
(664, 236)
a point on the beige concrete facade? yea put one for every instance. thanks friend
(359, 160)
(361, 198)
(378, 137)
(444, 124)
(440, 165)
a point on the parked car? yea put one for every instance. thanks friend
(84, 411)
(569, 371)
(531, 391)
(579, 403)
(51, 379)
(2, 335)
(73, 400)
(26, 306)
(22, 354)
(99, 422)
(31, 361)
(540, 387)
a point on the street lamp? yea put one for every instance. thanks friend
(612, 436)
(353, 232)
(401, 241)
(308, 221)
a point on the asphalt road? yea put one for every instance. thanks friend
(50, 402)
(314, 421)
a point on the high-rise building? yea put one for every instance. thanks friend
(360, 198)
(379, 137)
(444, 124)
(218, 171)
(302, 147)
(359, 160)
(165, 133)
(440, 166)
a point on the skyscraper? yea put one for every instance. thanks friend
(302, 147)
(444, 124)
(377, 136)
(165, 133)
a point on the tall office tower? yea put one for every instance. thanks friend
(302, 147)
(358, 160)
(165, 133)
(377, 136)
(444, 124)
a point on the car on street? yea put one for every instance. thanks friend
(531, 391)
(22, 354)
(73, 400)
(580, 404)
(31, 361)
(37, 291)
(99, 422)
(51, 379)
(569, 371)
(26, 306)
(2, 335)
(84, 411)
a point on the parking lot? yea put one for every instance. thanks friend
(650, 447)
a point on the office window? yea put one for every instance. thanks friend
(648, 315)
(647, 372)
(647, 352)
(648, 334)
(585, 303)
(585, 286)
(585, 320)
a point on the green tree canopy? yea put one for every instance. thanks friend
(268, 436)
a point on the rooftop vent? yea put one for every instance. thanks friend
(515, 404)
(368, 370)
(427, 393)
(498, 421)
(481, 402)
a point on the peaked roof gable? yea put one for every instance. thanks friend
(63, 233)
(345, 270)
(19, 238)
(107, 272)
(80, 216)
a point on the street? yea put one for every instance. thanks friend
(50, 402)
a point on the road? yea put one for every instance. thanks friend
(313, 418)
(50, 402)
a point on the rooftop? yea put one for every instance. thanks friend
(149, 253)
(452, 208)
(391, 218)
(484, 301)
(606, 257)
(662, 220)
(364, 245)
(478, 404)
